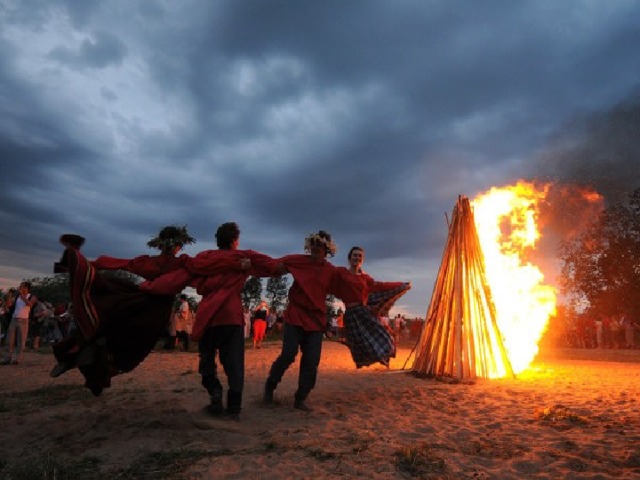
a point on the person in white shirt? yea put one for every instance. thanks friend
(19, 326)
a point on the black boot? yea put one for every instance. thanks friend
(234, 405)
(269, 387)
(215, 404)
(299, 403)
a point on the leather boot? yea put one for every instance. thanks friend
(234, 405)
(215, 403)
(299, 403)
(269, 387)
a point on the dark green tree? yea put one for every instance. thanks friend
(54, 289)
(276, 292)
(252, 292)
(601, 268)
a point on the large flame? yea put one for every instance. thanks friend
(506, 221)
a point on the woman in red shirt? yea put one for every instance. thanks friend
(364, 299)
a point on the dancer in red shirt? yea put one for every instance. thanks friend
(117, 325)
(369, 341)
(219, 276)
(305, 317)
(169, 241)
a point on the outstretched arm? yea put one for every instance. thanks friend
(170, 283)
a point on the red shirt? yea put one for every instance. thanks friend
(218, 277)
(352, 288)
(146, 266)
(313, 281)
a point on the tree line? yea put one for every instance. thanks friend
(600, 273)
(55, 288)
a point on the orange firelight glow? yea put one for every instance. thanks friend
(506, 221)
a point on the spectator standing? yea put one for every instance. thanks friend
(260, 323)
(617, 332)
(246, 314)
(2, 314)
(19, 326)
(271, 320)
(183, 322)
(398, 327)
(629, 331)
(39, 321)
(8, 309)
(598, 323)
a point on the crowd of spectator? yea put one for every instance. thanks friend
(47, 323)
(613, 332)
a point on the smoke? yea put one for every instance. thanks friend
(589, 164)
(600, 151)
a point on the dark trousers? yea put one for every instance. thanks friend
(310, 344)
(228, 342)
(182, 336)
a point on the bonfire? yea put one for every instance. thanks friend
(490, 305)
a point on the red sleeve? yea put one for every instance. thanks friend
(144, 266)
(375, 286)
(170, 283)
(262, 265)
(211, 262)
(110, 263)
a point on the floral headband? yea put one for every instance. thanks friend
(171, 237)
(315, 238)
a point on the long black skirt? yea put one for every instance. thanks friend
(117, 324)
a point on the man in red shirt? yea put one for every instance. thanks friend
(305, 316)
(219, 276)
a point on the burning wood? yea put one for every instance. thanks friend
(461, 337)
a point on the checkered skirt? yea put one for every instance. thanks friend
(382, 301)
(367, 339)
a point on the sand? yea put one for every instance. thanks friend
(574, 414)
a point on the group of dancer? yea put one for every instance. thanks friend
(119, 322)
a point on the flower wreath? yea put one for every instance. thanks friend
(171, 236)
(315, 238)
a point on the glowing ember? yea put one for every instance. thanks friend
(506, 223)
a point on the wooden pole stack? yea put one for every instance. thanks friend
(460, 337)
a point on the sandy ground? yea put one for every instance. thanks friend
(574, 414)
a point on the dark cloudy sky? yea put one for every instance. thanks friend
(364, 118)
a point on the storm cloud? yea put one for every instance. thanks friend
(364, 118)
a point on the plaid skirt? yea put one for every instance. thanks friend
(367, 339)
(381, 302)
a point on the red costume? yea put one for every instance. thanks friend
(146, 266)
(356, 288)
(218, 277)
(367, 339)
(118, 325)
(313, 280)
